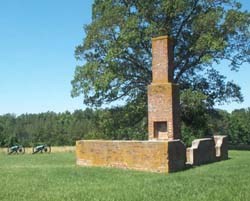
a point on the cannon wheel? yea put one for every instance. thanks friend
(47, 149)
(21, 150)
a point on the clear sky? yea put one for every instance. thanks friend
(37, 42)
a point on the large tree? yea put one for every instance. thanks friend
(117, 48)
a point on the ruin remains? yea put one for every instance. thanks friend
(163, 94)
(164, 151)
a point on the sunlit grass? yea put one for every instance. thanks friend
(56, 177)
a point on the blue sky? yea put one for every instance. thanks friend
(37, 42)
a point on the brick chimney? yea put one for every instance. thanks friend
(163, 94)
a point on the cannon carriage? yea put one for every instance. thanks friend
(42, 148)
(16, 149)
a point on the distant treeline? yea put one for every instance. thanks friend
(124, 123)
(65, 128)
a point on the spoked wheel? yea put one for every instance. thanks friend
(47, 149)
(21, 150)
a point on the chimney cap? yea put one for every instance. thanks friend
(162, 38)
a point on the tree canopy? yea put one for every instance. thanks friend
(117, 48)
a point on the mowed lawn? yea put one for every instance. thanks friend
(56, 177)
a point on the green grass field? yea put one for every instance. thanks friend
(55, 177)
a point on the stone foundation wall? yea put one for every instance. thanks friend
(201, 152)
(221, 147)
(207, 150)
(176, 155)
(154, 156)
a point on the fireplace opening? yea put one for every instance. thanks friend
(160, 129)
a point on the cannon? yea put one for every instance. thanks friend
(17, 149)
(42, 148)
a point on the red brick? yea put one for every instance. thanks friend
(163, 95)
